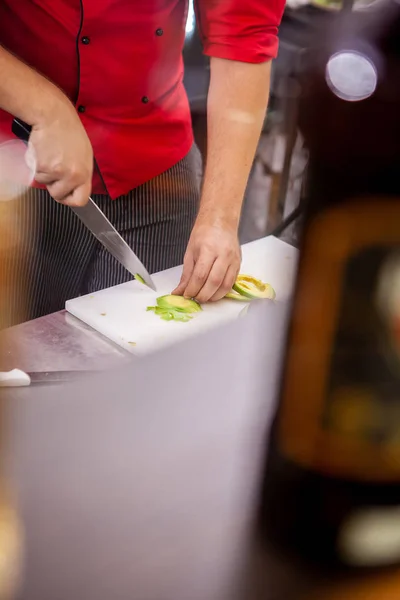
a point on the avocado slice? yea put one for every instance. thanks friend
(235, 296)
(178, 304)
(253, 288)
(175, 308)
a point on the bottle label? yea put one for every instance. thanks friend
(340, 411)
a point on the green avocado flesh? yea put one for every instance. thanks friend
(178, 303)
(139, 278)
(253, 293)
(175, 308)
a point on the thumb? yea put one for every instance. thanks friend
(188, 265)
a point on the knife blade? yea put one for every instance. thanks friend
(18, 378)
(95, 220)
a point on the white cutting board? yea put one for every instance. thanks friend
(120, 313)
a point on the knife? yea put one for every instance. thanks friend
(18, 378)
(96, 221)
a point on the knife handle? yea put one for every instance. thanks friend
(21, 129)
(14, 378)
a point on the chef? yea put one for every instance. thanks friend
(100, 82)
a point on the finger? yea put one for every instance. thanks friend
(45, 178)
(79, 196)
(199, 275)
(188, 266)
(59, 189)
(214, 280)
(227, 284)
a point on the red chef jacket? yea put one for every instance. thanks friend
(120, 62)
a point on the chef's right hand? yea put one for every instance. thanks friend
(63, 155)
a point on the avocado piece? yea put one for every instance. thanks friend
(178, 304)
(253, 288)
(235, 296)
(178, 316)
(175, 308)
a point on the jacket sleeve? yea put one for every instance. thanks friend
(243, 30)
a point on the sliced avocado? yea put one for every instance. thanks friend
(166, 316)
(179, 316)
(139, 278)
(235, 296)
(253, 288)
(178, 304)
(175, 308)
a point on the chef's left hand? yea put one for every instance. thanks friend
(212, 261)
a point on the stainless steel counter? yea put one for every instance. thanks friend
(57, 342)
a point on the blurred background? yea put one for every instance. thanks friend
(278, 175)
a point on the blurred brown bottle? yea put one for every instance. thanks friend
(331, 492)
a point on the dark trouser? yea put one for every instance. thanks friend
(59, 258)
